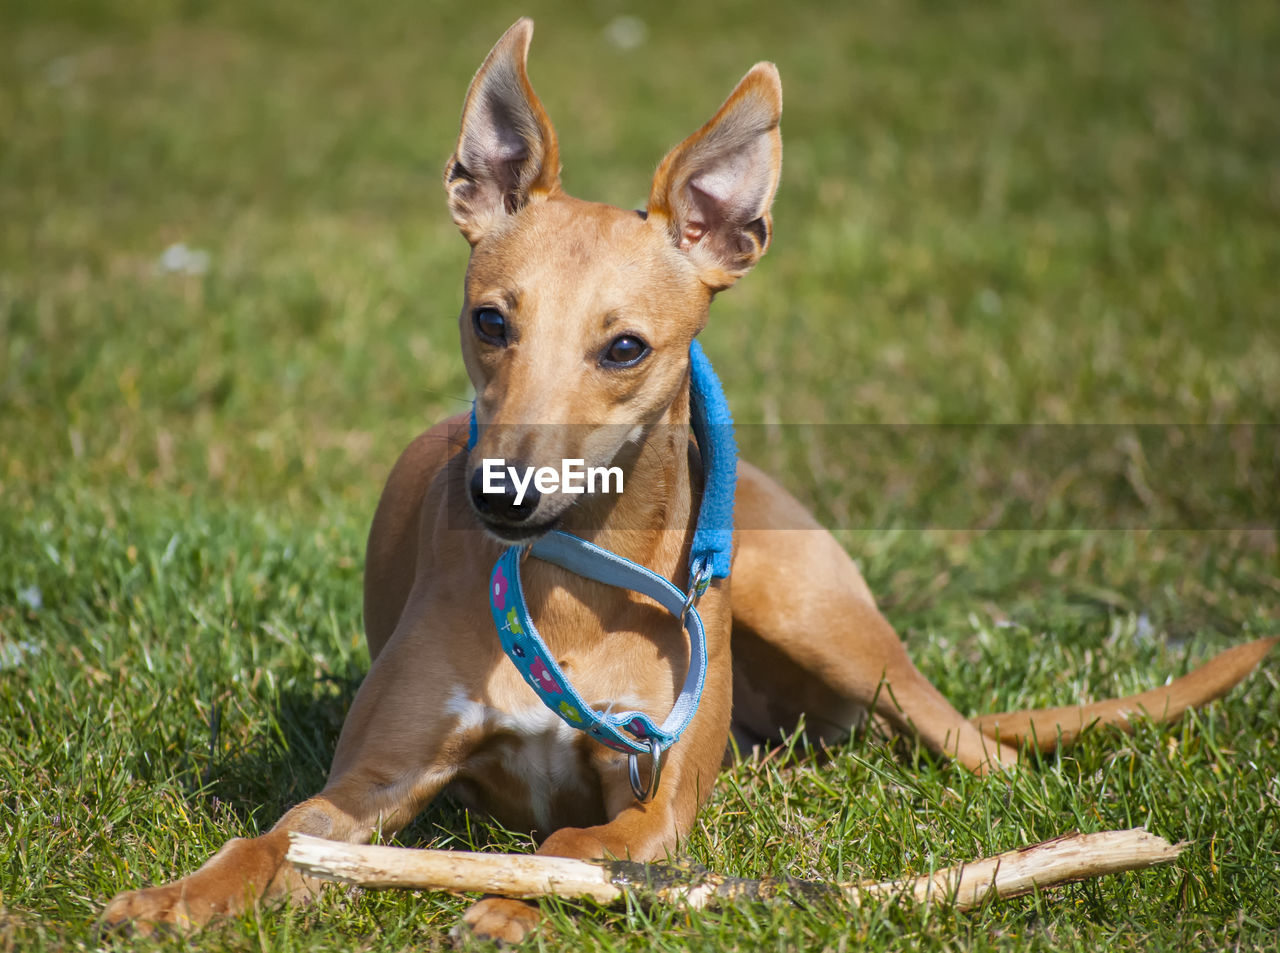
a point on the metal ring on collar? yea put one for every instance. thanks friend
(645, 794)
(701, 576)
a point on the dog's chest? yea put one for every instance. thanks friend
(526, 766)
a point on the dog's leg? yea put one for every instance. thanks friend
(639, 832)
(803, 612)
(389, 765)
(800, 601)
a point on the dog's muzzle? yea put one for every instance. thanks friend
(503, 502)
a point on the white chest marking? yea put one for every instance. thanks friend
(545, 759)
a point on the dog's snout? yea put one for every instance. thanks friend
(508, 494)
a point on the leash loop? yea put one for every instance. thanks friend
(645, 794)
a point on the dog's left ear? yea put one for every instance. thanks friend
(715, 188)
(507, 154)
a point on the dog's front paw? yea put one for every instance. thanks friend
(144, 912)
(497, 919)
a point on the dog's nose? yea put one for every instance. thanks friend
(506, 501)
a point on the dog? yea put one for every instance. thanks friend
(577, 331)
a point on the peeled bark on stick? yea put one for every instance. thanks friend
(1064, 859)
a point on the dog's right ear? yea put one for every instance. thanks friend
(507, 155)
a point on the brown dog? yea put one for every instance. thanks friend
(579, 313)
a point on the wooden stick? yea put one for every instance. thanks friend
(457, 871)
(1062, 860)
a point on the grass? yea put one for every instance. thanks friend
(991, 213)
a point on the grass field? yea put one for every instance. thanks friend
(991, 213)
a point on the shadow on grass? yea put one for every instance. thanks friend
(288, 759)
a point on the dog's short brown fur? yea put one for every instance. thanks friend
(441, 707)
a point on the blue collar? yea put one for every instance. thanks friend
(710, 557)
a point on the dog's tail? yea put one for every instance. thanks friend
(1046, 728)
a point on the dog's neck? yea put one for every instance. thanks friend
(652, 520)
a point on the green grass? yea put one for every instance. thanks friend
(990, 213)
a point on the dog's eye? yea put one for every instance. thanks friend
(491, 326)
(625, 351)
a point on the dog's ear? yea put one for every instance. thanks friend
(507, 155)
(715, 188)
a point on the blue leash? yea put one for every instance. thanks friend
(710, 557)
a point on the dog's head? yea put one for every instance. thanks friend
(577, 316)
